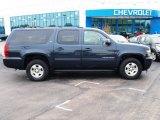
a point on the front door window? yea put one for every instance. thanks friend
(93, 38)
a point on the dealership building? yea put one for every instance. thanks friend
(111, 16)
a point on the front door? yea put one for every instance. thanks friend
(95, 54)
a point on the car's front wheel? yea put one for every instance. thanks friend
(130, 68)
(37, 70)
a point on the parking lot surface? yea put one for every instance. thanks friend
(80, 96)
(1, 46)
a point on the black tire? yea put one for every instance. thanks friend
(39, 70)
(130, 68)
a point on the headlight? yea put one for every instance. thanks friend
(148, 53)
(158, 48)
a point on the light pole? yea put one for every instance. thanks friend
(64, 19)
(34, 22)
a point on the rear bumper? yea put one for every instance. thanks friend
(16, 63)
(147, 63)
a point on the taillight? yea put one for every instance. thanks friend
(6, 53)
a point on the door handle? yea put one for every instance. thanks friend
(60, 49)
(26, 47)
(88, 49)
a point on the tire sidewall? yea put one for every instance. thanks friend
(123, 65)
(41, 63)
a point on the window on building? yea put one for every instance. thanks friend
(68, 18)
(142, 26)
(2, 30)
(124, 25)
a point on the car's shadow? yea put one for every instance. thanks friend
(64, 77)
(67, 76)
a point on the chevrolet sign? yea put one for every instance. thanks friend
(132, 12)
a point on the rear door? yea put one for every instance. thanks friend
(95, 54)
(67, 49)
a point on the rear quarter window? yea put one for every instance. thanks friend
(30, 37)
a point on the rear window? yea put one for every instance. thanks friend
(156, 39)
(23, 37)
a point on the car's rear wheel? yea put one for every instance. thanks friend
(153, 55)
(130, 68)
(37, 70)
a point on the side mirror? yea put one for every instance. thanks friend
(107, 42)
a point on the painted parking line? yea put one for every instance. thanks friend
(80, 83)
(151, 83)
(111, 85)
(7, 71)
(63, 108)
(87, 82)
(137, 90)
(133, 89)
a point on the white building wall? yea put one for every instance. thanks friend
(7, 25)
(82, 18)
(26, 7)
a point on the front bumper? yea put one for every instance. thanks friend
(158, 55)
(147, 63)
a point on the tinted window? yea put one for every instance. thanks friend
(23, 37)
(93, 38)
(69, 37)
(156, 39)
(142, 40)
(134, 39)
(145, 40)
(148, 41)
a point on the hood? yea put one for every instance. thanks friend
(132, 46)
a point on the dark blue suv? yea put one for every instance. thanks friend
(42, 50)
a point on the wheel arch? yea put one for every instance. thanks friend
(137, 56)
(29, 57)
(153, 49)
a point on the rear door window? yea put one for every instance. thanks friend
(68, 37)
(23, 37)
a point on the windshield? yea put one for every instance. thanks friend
(133, 40)
(156, 39)
(119, 38)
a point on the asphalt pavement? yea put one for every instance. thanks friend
(80, 96)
